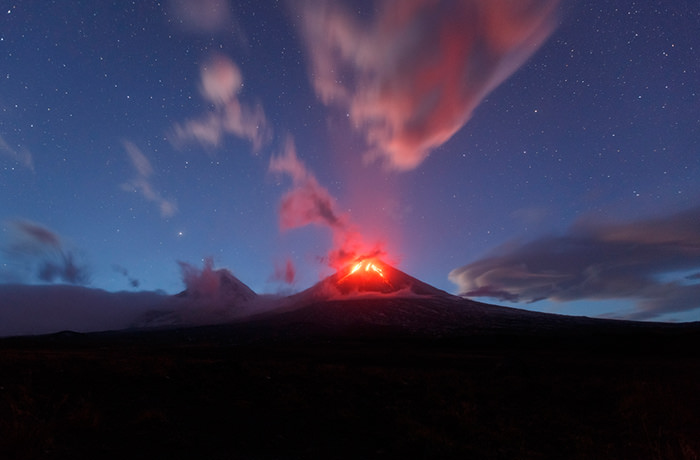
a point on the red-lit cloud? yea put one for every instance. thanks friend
(284, 272)
(213, 288)
(411, 76)
(221, 82)
(308, 202)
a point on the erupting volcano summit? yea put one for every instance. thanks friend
(365, 275)
(371, 275)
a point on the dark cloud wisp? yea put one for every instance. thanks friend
(41, 253)
(637, 261)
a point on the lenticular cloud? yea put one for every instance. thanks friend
(655, 262)
(411, 76)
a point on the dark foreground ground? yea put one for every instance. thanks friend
(202, 394)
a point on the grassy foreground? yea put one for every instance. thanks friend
(349, 398)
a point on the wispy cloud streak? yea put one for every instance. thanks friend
(41, 253)
(141, 183)
(646, 261)
(19, 154)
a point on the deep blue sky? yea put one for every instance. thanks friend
(137, 134)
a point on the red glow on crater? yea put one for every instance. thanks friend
(365, 275)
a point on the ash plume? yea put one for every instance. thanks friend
(284, 272)
(308, 202)
(213, 287)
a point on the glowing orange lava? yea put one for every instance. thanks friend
(365, 270)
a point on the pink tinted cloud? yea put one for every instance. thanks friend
(201, 15)
(220, 83)
(411, 76)
(37, 234)
(308, 202)
(284, 272)
(221, 80)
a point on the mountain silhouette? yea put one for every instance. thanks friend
(220, 285)
(373, 297)
(368, 297)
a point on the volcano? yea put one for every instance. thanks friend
(367, 298)
(368, 276)
(370, 297)
(220, 285)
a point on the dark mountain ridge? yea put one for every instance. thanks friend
(370, 367)
(367, 299)
(388, 304)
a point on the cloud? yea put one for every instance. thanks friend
(220, 83)
(411, 76)
(20, 154)
(142, 184)
(27, 310)
(41, 253)
(285, 273)
(133, 282)
(212, 297)
(597, 260)
(205, 282)
(213, 289)
(308, 202)
(206, 17)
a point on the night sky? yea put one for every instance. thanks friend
(529, 153)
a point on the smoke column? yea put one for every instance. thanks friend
(308, 202)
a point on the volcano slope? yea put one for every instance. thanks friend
(356, 369)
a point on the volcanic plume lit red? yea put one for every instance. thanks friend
(310, 203)
(349, 247)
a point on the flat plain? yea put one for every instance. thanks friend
(250, 391)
